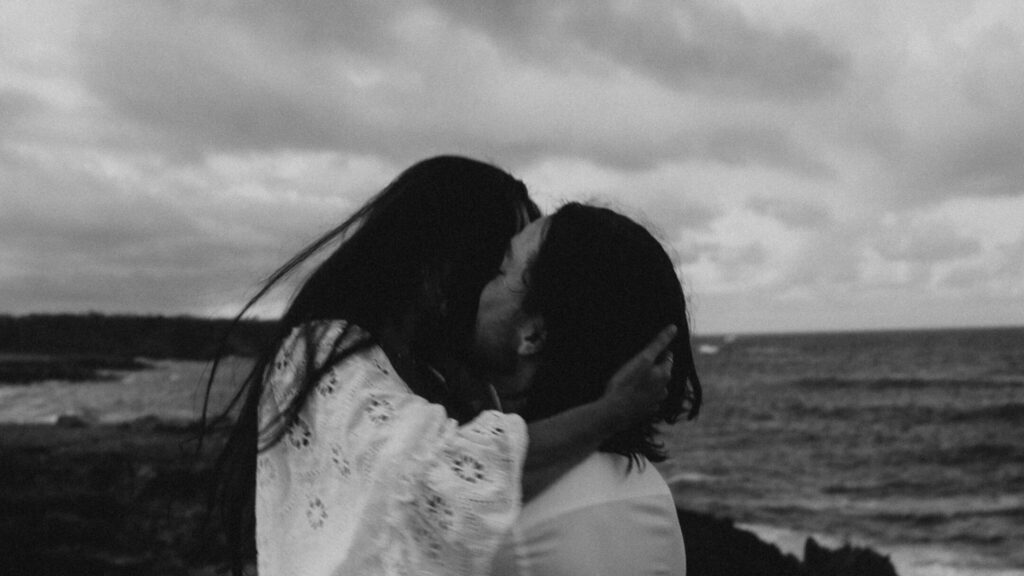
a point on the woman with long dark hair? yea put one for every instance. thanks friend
(347, 455)
(589, 286)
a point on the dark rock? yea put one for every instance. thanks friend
(75, 421)
(716, 547)
(148, 423)
(152, 423)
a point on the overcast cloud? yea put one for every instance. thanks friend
(811, 165)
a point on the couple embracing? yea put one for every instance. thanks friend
(463, 386)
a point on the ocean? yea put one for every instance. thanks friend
(908, 442)
(172, 390)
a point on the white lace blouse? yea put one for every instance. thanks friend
(373, 479)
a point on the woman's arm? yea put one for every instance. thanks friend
(366, 458)
(559, 443)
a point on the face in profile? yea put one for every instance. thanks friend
(499, 314)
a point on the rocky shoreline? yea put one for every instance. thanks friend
(80, 499)
(25, 369)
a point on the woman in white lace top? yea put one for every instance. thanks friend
(357, 450)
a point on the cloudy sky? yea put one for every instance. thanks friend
(812, 165)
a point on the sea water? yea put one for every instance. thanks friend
(170, 390)
(910, 442)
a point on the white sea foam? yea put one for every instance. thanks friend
(687, 477)
(789, 541)
(171, 390)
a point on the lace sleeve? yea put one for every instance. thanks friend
(460, 500)
(447, 493)
(384, 482)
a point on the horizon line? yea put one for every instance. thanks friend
(695, 334)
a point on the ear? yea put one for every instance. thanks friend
(531, 336)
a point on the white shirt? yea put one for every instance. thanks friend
(597, 520)
(373, 479)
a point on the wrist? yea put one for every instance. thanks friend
(609, 415)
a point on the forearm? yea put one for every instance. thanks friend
(559, 443)
(634, 392)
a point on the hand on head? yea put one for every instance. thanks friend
(637, 390)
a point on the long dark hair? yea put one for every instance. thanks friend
(604, 287)
(421, 250)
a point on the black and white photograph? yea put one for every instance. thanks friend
(512, 288)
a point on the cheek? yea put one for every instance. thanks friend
(487, 299)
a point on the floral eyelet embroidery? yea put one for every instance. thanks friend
(316, 513)
(480, 429)
(380, 366)
(436, 508)
(432, 517)
(428, 542)
(328, 385)
(299, 434)
(342, 463)
(379, 410)
(468, 468)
